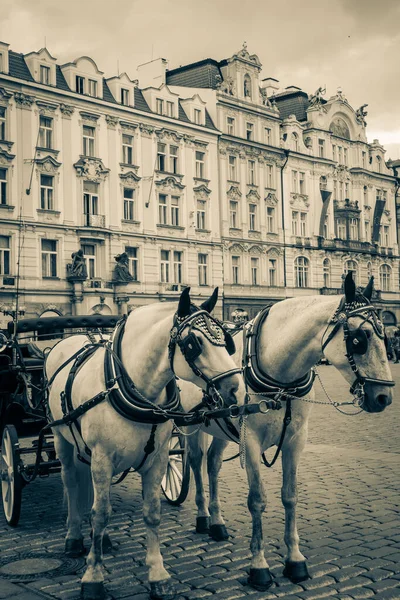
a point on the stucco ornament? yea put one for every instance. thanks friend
(228, 86)
(264, 98)
(361, 113)
(315, 99)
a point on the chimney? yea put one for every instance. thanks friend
(152, 74)
(271, 85)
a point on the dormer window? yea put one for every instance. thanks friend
(170, 109)
(160, 106)
(197, 116)
(92, 88)
(44, 74)
(124, 97)
(80, 84)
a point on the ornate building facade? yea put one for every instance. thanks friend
(118, 192)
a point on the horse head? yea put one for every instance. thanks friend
(200, 351)
(360, 354)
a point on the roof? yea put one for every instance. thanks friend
(17, 66)
(292, 103)
(201, 74)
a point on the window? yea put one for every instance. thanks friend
(171, 273)
(4, 255)
(302, 183)
(294, 181)
(299, 223)
(160, 106)
(270, 219)
(379, 164)
(202, 267)
(270, 177)
(295, 222)
(80, 84)
(165, 266)
(251, 172)
(45, 132)
(88, 140)
(369, 270)
(197, 116)
(177, 267)
(295, 142)
(233, 214)
(162, 209)
(235, 269)
(351, 266)
(2, 123)
(301, 267)
(232, 168)
(170, 109)
(129, 204)
(253, 217)
(124, 97)
(384, 236)
(384, 276)
(173, 159)
(127, 149)
(321, 148)
(365, 195)
(249, 131)
(167, 156)
(133, 261)
(323, 183)
(326, 227)
(89, 254)
(364, 160)
(272, 272)
(92, 88)
(44, 75)
(200, 171)
(49, 258)
(345, 156)
(303, 224)
(354, 229)
(3, 187)
(333, 152)
(326, 269)
(201, 214)
(340, 154)
(161, 156)
(267, 135)
(255, 262)
(335, 191)
(341, 229)
(230, 124)
(175, 210)
(46, 192)
(367, 225)
(90, 201)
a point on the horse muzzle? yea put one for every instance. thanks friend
(228, 387)
(376, 398)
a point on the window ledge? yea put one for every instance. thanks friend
(202, 230)
(237, 229)
(130, 222)
(52, 278)
(169, 173)
(129, 165)
(233, 181)
(46, 211)
(7, 207)
(165, 226)
(202, 179)
(6, 143)
(48, 150)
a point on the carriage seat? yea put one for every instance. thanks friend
(33, 357)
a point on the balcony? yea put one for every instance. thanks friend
(95, 221)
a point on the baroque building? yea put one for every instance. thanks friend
(119, 192)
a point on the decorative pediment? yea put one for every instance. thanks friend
(89, 118)
(340, 128)
(91, 169)
(341, 173)
(237, 248)
(253, 196)
(46, 108)
(274, 252)
(202, 192)
(256, 250)
(234, 192)
(271, 199)
(47, 164)
(146, 130)
(244, 56)
(168, 135)
(5, 157)
(130, 179)
(299, 200)
(128, 126)
(169, 184)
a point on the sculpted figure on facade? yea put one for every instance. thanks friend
(77, 269)
(247, 86)
(121, 270)
(228, 86)
(361, 113)
(264, 98)
(316, 98)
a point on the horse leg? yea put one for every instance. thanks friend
(102, 470)
(218, 530)
(161, 587)
(260, 577)
(197, 449)
(65, 452)
(295, 562)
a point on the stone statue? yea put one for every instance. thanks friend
(121, 270)
(77, 269)
(218, 81)
(315, 99)
(228, 86)
(361, 113)
(264, 98)
(247, 87)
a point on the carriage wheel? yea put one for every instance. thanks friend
(11, 480)
(175, 483)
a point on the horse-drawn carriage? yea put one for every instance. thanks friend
(23, 350)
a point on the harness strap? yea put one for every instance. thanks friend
(148, 449)
(287, 419)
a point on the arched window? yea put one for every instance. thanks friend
(326, 269)
(365, 195)
(351, 265)
(301, 272)
(369, 271)
(295, 142)
(247, 86)
(379, 164)
(323, 183)
(384, 277)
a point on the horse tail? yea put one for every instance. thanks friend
(85, 486)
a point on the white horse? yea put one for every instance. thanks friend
(156, 342)
(295, 336)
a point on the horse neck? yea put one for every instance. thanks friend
(291, 338)
(144, 349)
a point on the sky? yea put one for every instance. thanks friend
(351, 44)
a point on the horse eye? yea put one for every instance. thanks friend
(199, 340)
(368, 333)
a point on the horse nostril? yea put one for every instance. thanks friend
(384, 400)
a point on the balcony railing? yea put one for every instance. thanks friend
(95, 220)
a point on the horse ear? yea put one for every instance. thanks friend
(349, 288)
(209, 304)
(367, 291)
(184, 303)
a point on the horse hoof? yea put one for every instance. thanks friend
(162, 590)
(202, 524)
(219, 533)
(107, 545)
(296, 571)
(260, 579)
(74, 548)
(93, 590)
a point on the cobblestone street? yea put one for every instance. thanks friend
(348, 522)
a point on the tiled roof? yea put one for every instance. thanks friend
(18, 67)
(199, 75)
(61, 83)
(292, 103)
(209, 121)
(107, 95)
(182, 115)
(140, 102)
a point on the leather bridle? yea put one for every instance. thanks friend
(356, 340)
(191, 348)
